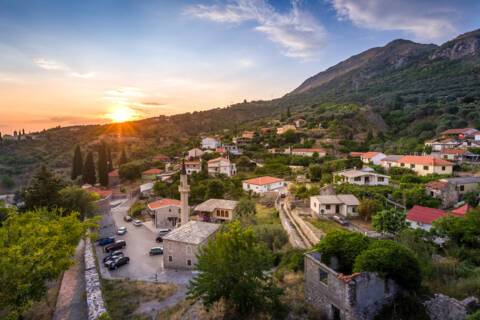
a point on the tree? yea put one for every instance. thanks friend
(463, 231)
(273, 236)
(233, 268)
(315, 172)
(109, 159)
(35, 247)
(389, 220)
(215, 189)
(471, 198)
(102, 165)
(123, 158)
(76, 199)
(7, 182)
(43, 190)
(88, 174)
(391, 260)
(368, 207)
(245, 208)
(77, 163)
(289, 114)
(131, 170)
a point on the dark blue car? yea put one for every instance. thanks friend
(105, 241)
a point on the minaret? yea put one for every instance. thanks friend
(184, 190)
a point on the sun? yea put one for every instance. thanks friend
(121, 114)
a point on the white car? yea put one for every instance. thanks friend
(137, 223)
(121, 231)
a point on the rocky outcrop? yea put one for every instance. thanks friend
(442, 307)
(465, 45)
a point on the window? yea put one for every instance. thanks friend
(357, 179)
(189, 262)
(327, 206)
(323, 276)
(412, 166)
(443, 168)
(170, 258)
(402, 164)
(381, 179)
(462, 188)
(425, 167)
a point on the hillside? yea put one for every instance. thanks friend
(406, 91)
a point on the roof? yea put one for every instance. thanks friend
(146, 187)
(193, 232)
(211, 204)
(369, 155)
(163, 203)
(437, 185)
(463, 180)
(261, 181)
(424, 214)
(113, 173)
(194, 162)
(352, 173)
(453, 151)
(458, 130)
(218, 160)
(152, 171)
(308, 150)
(161, 157)
(392, 158)
(103, 193)
(461, 211)
(348, 199)
(425, 160)
(356, 154)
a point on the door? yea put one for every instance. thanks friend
(335, 313)
(337, 208)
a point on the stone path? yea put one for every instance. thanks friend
(152, 307)
(71, 304)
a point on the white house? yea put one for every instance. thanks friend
(193, 166)
(264, 184)
(166, 212)
(195, 153)
(422, 217)
(221, 166)
(343, 204)
(306, 152)
(361, 177)
(210, 143)
(372, 157)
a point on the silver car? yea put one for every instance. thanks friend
(121, 231)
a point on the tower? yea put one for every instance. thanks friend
(184, 190)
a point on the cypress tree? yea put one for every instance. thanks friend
(88, 174)
(110, 162)
(77, 163)
(123, 158)
(102, 165)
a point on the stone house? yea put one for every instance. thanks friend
(343, 204)
(336, 296)
(166, 213)
(182, 245)
(390, 161)
(194, 153)
(361, 177)
(452, 190)
(216, 210)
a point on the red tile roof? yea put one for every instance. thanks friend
(113, 173)
(152, 171)
(424, 214)
(453, 151)
(163, 203)
(424, 160)
(369, 155)
(461, 211)
(457, 130)
(437, 185)
(356, 154)
(261, 181)
(103, 193)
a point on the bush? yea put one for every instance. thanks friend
(272, 235)
(137, 209)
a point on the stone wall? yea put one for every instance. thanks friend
(95, 303)
(442, 307)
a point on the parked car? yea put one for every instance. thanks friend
(137, 223)
(119, 244)
(106, 240)
(112, 256)
(118, 263)
(127, 218)
(121, 231)
(155, 251)
(340, 220)
(162, 233)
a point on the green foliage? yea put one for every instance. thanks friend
(293, 260)
(43, 190)
(315, 172)
(404, 307)
(273, 236)
(463, 231)
(391, 260)
(474, 316)
(102, 165)
(245, 208)
(471, 198)
(344, 246)
(123, 158)
(131, 170)
(415, 195)
(233, 268)
(136, 210)
(88, 174)
(7, 182)
(368, 208)
(35, 247)
(77, 163)
(389, 220)
(215, 189)
(75, 199)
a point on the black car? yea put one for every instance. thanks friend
(162, 233)
(118, 263)
(119, 244)
(112, 255)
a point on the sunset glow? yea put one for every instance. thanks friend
(121, 114)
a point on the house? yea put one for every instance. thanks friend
(264, 184)
(194, 153)
(477, 136)
(248, 135)
(166, 212)
(452, 190)
(390, 161)
(307, 152)
(113, 178)
(181, 245)
(221, 166)
(359, 296)
(343, 204)
(424, 165)
(161, 158)
(210, 143)
(439, 145)
(286, 128)
(460, 133)
(372, 157)
(151, 174)
(216, 210)
(232, 149)
(451, 154)
(193, 166)
(422, 217)
(362, 177)
(146, 189)
(300, 123)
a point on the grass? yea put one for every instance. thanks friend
(123, 297)
(326, 226)
(41, 310)
(266, 215)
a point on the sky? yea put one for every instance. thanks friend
(84, 62)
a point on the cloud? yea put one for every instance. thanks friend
(87, 75)
(426, 20)
(52, 65)
(296, 31)
(245, 63)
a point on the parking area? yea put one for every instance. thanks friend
(139, 240)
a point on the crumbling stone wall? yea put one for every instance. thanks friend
(95, 303)
(442, 307)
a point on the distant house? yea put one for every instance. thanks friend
(264, 184)
(216, 210)
(286, 128)
(424, 165)
(113, 178)
(307, 152)
(232, 149)
(151, 174)
(461, 133)
(221, 166)
(390, 161)
(452, 190)
(343, 204)
(455, 155)
(193, 166)
(194, 153)
(361, 177)
(166, 212)
(372, 157)
(146, 189)
(210, 143)
(248, 135)
(300, 123)
(181, 245)
(422, 217)
(161, 158)
(439, 145)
